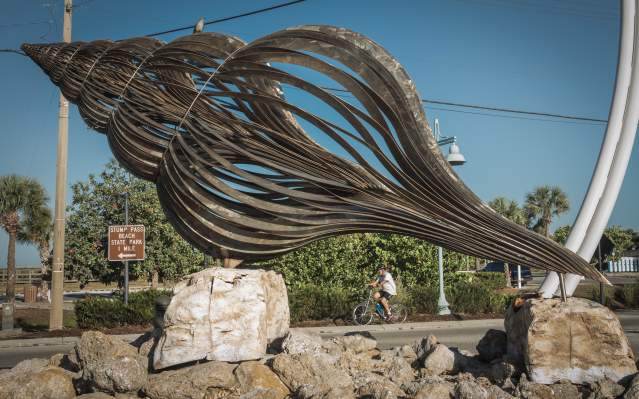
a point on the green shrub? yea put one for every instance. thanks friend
(311, 302)
(491, 280)
(477, 298)
(629, 295)
(423, 299)
(98, 312)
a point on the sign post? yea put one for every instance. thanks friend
(126, 243)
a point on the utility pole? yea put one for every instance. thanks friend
(126, 262)
(57, 272)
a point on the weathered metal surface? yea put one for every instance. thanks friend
(244, 173)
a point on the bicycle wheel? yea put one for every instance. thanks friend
(362, 314)
(400, 313)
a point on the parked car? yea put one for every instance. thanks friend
(498, 267)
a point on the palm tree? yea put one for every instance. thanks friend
(20, 200)
(37, 231)
(542, 205)
(511, 210)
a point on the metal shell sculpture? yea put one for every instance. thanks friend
(244, 173)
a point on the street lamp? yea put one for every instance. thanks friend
(454, 158)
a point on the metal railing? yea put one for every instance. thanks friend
(24, 275)
(626, 264)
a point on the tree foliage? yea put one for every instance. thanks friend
(509, 209)
(621, 238)
(561, 234)
(98, 203)
(22, 200)
(351, 261)
(542, 205)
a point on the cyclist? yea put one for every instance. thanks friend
(387, 289)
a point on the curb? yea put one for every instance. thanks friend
(327, 330)
(53, 341)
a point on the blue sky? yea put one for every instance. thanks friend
(534, 55)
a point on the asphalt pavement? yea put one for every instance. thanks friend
(461, 334)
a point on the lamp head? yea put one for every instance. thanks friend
(455, 156)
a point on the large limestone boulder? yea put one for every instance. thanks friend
(579, 340)
(223, 314)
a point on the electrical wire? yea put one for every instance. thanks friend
(216, 21)
(10, 50)
(505, 110)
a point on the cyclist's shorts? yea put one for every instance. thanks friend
(385, 294)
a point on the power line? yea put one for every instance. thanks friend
(508, 110)
(216, 21)
(10, 50)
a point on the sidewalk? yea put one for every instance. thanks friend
(327, 330)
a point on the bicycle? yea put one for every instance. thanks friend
(364, 313)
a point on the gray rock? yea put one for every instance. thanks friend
(196, 382)
(531, 390)
(66, 361)
(223, 314)
(35, 382)
(438, 390)
(494, 392)
(470, 389)
(109, 364)
(356, 343)
(375, 386)
(253, 376)
(605, 389)
(566, 390)
(312, 375)
(260, 393)
(500, 372)
(633, 389)
(439, 360)
(30, 366)
(395, 368)
(422, 347)
(538, 338)
(301, 342)
(95, 395)
(405, 351)
(413, 387)
(493, 345)
(354, 363)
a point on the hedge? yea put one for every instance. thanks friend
(626, 296)
(99, 312)
(306, 302)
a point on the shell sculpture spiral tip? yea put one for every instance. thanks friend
(245, 172)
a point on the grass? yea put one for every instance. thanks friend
(38, 319)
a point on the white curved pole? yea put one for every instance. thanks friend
(605, 183)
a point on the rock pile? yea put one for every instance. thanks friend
(306, 367)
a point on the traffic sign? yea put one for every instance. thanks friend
(126, 243)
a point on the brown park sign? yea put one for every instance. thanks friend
(126, 243)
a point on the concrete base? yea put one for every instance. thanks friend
(8, 317)
(223, 314)
(578, 340)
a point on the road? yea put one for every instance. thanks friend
(461, 334)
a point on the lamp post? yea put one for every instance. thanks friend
(454, 158)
